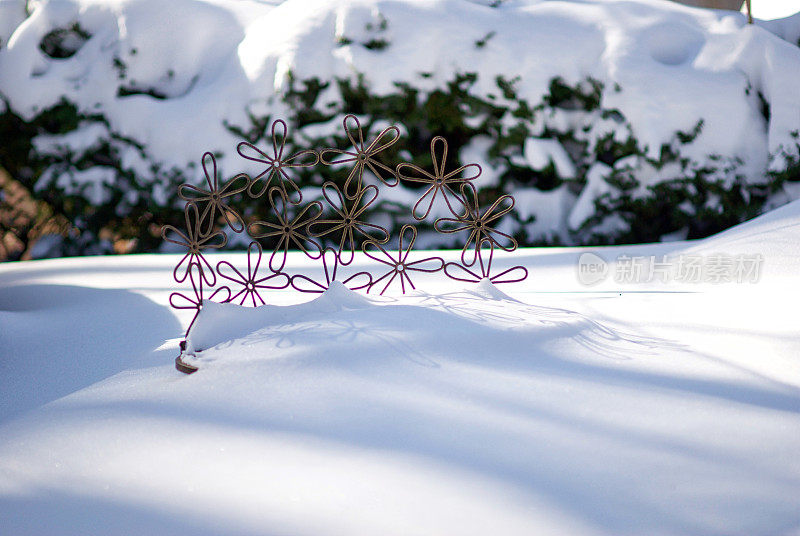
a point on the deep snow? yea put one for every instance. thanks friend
(544, 407)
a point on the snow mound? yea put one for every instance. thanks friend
(514, 411)
(461, 326)
(774, 236)
(219, 322)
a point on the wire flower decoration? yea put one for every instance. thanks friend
(288, 230)
(276, 164)
(215, 197)
(330, 268)
(400, 266)
(194, 241)
(439, 181)
(249, 283)
(347, 220)
(363, 156)
(291, 225)
(479, 224)
(195, 301)
(456, 271)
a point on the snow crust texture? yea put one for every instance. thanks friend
(551, 406)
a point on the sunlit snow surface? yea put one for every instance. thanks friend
(546, 407)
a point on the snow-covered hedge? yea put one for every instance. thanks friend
(608, 121)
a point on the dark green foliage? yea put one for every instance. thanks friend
(376, 42)
(129, 210)
(695, 200)
(480, 43)
(63, 43)
(688, 198)
(127, 91)
(564, 96)
(791, 168)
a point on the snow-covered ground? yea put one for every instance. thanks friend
(552, 406)
(772, 9)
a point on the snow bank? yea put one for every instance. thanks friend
(546, 407)
(775, 236)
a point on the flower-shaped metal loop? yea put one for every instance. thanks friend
(439, 181)
(480, 226)
(250, 283)
(215, 197)
(346, 209)
(363, 156)
(399, 266)
(195, 241)
(347, 220)
(290, 231)
(195, 301)
(330, 266)
(515, 274)
(276, 164)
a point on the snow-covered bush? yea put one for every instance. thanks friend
(608, 122)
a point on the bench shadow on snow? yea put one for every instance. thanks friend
(57, 339)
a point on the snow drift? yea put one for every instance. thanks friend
(546, 406)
